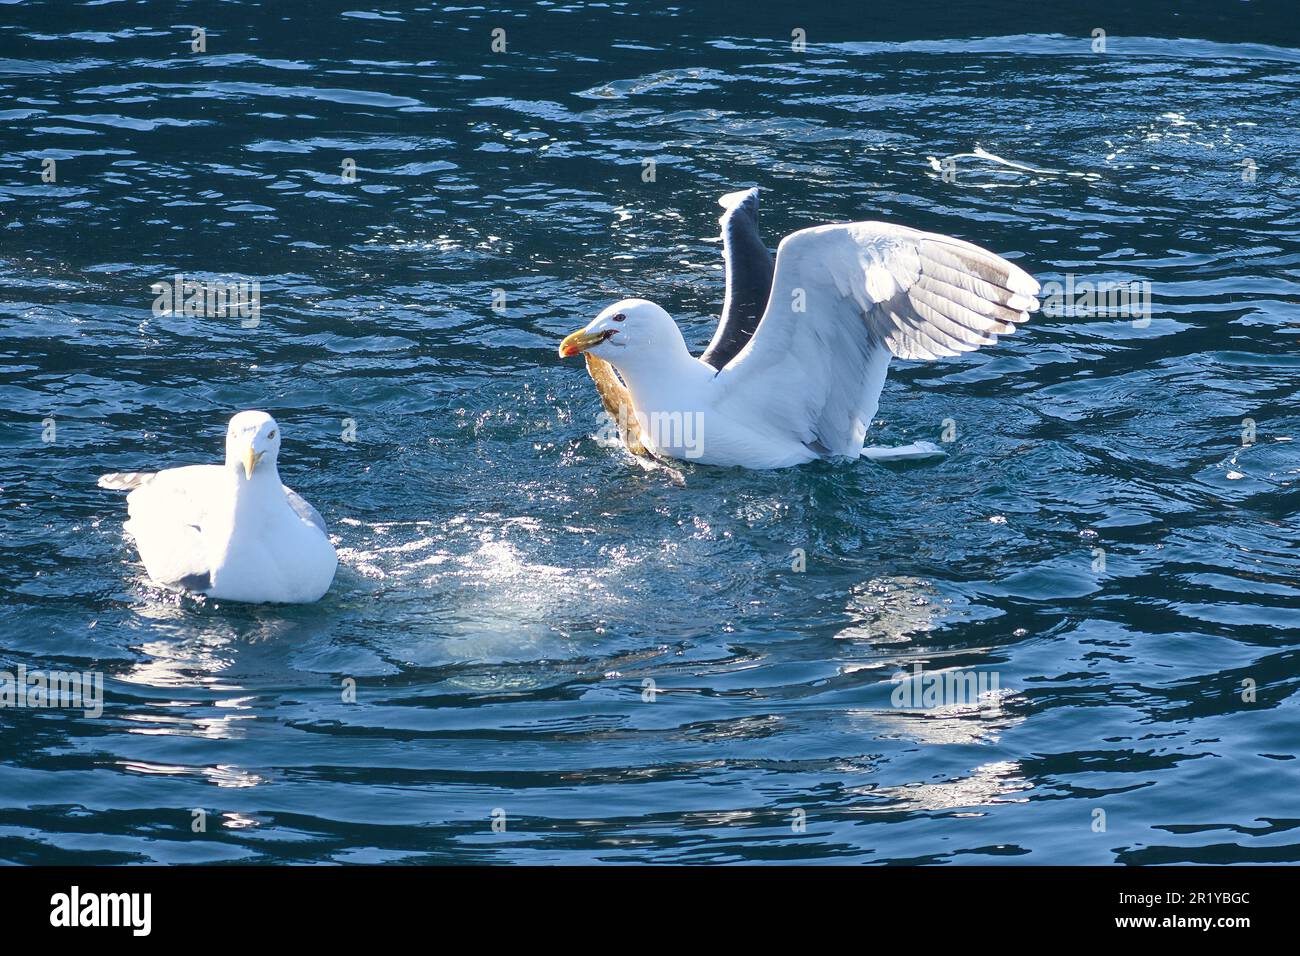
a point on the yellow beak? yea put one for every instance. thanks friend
(250, 461)
(582, 340)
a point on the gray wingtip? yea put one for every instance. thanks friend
(306, 511)
(200, 582)
(124, 480)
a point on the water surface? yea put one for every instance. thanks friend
(509, 583)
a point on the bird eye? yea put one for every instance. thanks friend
(270, 434)
(620, 317)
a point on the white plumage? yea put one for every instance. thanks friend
(844, 301)
(230, 531)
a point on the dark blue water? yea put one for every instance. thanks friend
(507, 582)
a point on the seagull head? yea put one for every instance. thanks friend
(626, 332)
(252, 439)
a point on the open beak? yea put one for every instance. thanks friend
(582, 340)
(250, 461)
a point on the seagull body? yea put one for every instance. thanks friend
(795, 370)
(230, 531)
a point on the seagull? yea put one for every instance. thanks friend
(794, 372)
(230, 531)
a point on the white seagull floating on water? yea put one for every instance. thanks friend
(796, 367)
(230, 531)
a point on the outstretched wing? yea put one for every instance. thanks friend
(748, 264)
(848, 298)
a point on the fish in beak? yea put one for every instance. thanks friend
(582, 340)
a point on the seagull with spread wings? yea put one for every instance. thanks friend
(795, 370)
